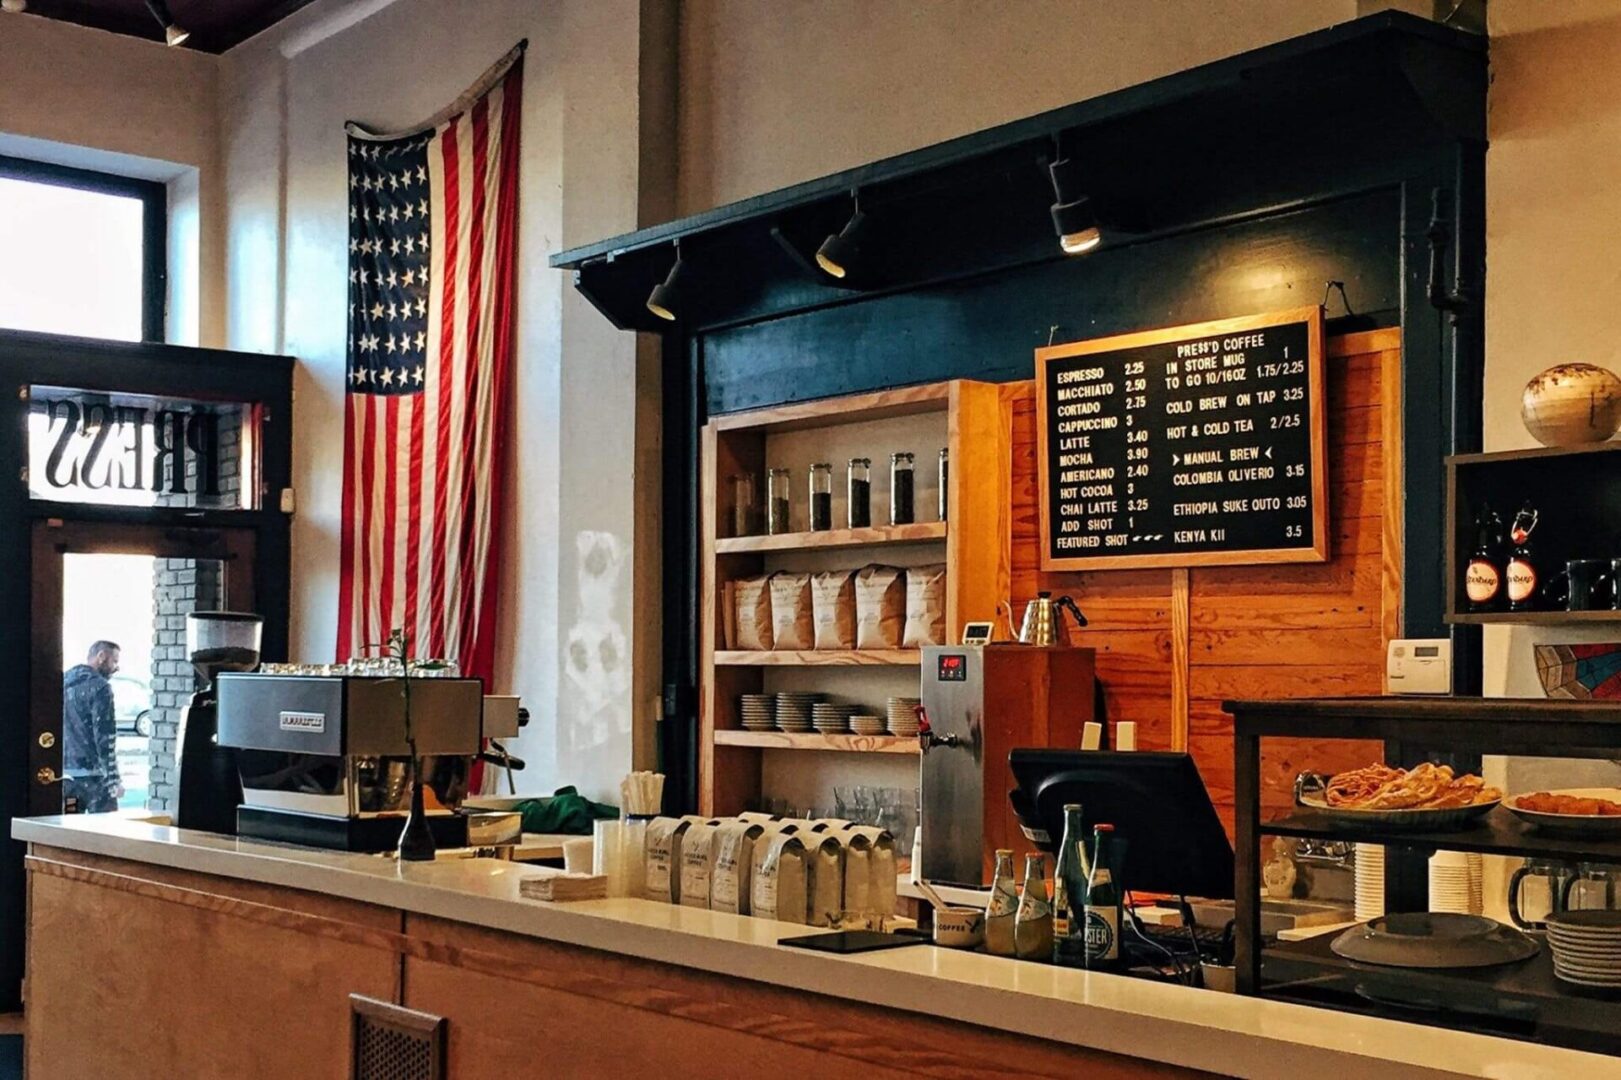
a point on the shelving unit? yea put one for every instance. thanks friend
(1577, 493)
(818, 658)
(971, 421)
(1522, 1000)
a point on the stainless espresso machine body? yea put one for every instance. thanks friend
(324, 758)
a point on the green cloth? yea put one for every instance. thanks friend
(565, 812)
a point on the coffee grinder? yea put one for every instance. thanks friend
(209, 788)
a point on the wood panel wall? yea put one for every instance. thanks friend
(1172, 644)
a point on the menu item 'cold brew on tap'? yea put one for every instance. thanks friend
(1195, 445)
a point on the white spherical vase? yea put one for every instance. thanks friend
(1571, 404)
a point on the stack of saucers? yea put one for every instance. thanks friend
(794, 710)
(830, 719)
(1586, 947)
(903, 715)
(758, 711)
(1370, 881)
(867, 724)
(1450, 890)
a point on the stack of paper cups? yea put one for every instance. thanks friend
(1449, 883)
(1370, 881)
(609, 857)
(633, 855)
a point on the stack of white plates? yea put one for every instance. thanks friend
(830, 719)
(758, 712)
(903, 715)
(1370, 881)
(794, 710)
(1586, 947)
(1452, 887)
(866, 724)
(1477, 874)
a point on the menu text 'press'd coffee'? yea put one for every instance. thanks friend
(1193, 445)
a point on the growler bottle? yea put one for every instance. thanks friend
(1483, 580)
(1002, 910)
(1102, 906)
(1522, 563)
(1033, 926)
(1069, 892)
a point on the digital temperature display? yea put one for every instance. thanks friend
(953, 667)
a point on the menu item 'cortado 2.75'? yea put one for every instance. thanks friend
(1425, 787)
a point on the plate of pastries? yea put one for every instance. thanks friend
(1427, 796)
(1571, 811)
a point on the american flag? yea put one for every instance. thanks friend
(432, 235)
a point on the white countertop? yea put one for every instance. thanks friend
(1199, 1029)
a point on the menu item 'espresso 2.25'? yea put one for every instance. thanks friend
(1193, 445)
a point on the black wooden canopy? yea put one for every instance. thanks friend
(1207, 146)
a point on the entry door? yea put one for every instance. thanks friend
(129, 585)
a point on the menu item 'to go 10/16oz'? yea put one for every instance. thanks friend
(1192, 445)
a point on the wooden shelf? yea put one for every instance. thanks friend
(819, 657)
(919, 533)
(1498, 833)
(1533, 618)
(783, 740)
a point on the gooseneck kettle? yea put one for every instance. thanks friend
(1044, 620)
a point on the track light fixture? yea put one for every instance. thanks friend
(173, 33)
(665, 297)
(1074, 218)
(841, 250)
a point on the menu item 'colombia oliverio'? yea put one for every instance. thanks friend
(1193, 445)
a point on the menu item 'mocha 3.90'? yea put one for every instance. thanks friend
(1194, 445)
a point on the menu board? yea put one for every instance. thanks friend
(1198, 445)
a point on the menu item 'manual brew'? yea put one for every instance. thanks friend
(1193, 445)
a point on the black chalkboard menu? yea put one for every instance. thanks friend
(1196, 445)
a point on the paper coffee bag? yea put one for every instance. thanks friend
(833, 606)
(792, 624)
(881, 869)
(664, 841)
(778, 889)
(697, 862)
(751, 600)
(925, 606)
(880, 607)
(733, 873)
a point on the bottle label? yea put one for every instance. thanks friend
(1060, 926)
(1522, 580)
(1482, 581)
(1102, 934)
(1003, 902)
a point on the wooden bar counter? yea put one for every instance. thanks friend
(158, 952)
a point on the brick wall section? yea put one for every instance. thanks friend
(179, 587)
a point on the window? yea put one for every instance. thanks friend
(81, 252)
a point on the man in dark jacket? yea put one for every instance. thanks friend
(90, 731)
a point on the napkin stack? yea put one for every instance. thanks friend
(564, 888)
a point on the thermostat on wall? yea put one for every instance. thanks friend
(1419, 666)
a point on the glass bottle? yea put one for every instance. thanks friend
(1001, 911)
(1033, 926)
(901, 489)
(1069, 892)
(778, 481)
(1521, 572)
(821, 497)
(743, 504)
(1102, 906)
(945, 477)
(1483, 580)
(858, 497)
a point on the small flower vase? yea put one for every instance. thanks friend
(416, 839)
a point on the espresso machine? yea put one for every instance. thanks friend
(208, 791)
(980, 702)
(325, 759)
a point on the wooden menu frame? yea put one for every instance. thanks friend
(1317, 438)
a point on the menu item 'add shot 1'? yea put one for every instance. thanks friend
(1192, 445)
